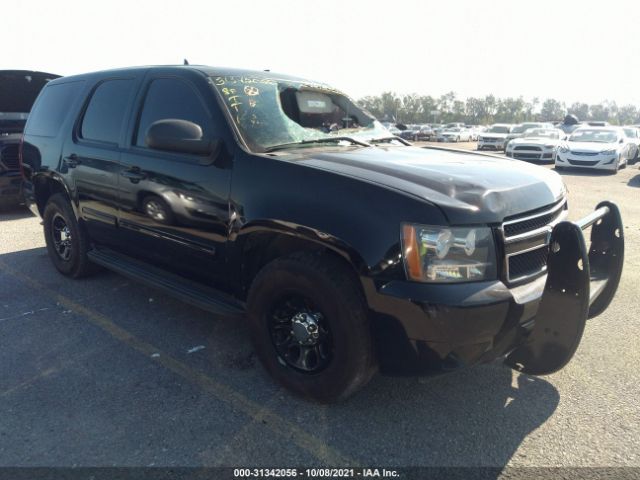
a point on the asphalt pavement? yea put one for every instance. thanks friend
(107, 372)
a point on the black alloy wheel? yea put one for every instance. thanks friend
(300, 334)
(62, 237)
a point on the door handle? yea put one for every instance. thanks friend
(133, 174)
(72, 161)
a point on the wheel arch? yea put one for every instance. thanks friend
(257, 245)
(46, 186)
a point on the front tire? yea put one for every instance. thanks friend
(310, 328)
(67, 241)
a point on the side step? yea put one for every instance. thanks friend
(186, 290)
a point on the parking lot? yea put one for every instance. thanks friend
(104, 371)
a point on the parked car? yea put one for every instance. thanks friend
(18, 91)
(536, 144)
(603, 148)
(410, 132)
(425, 132)
(633, 137)
(518, 130)
(495, 137)
(455, 134)
(347, 251)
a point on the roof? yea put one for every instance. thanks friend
(205, 69)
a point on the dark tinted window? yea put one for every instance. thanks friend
(172, 98)
(105, 113)
(51, 108)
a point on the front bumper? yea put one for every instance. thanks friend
(428, 329)
(601, 162)
(498, 144)
(536, 154)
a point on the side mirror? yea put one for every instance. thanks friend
(179, 136)
(621, 140)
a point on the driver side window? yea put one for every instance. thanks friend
(171, 98)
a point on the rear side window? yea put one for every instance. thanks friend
(172, 98)
(51, 108)
(105, 114)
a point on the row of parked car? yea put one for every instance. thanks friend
(450, 132)
(570, 143)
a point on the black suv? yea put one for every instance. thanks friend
(253, 193)
(18, 91)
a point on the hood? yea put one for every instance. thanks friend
(469, 188)
(591, 146)
(19, 89)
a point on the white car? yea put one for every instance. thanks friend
(518, 130)
(633, 136)
(536, 144)
(603, 148)
(495, 137)
(455, 134)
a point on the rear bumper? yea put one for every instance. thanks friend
(429, 329)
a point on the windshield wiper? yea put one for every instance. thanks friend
(283, 146)
(390, 139)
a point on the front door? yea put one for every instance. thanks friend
(174, 206)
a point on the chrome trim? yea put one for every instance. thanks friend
(545, 230)
(537, 231)
(541, 214)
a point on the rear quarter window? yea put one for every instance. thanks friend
(104, 117)
(51, 108)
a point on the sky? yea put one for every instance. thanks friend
(570, 50)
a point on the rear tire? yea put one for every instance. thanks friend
(323, 289)
(67, 240)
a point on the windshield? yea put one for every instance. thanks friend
(630, 132)
(542, 132)
(499, 129)
(269, 112)
(597, 136)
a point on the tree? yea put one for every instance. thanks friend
(552, 110)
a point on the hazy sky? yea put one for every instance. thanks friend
(570, 50)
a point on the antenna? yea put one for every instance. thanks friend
(185, 62)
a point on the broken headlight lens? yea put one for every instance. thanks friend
(448, 254)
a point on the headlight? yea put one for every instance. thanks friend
(441, 254)
(563, 149)
(612, 151)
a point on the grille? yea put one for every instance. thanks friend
(584, 154)
(526, 156)
(516, 228)
(528, 263)
(527, 241)
(9, 157)
(531, 149)
(583, 163)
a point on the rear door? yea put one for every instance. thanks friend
(174, 207)
(91, 155)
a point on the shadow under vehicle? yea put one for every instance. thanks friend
(18, 91)
(348, 250)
